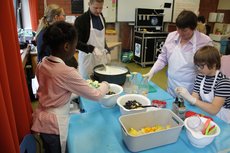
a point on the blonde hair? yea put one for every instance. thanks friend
(49, 14)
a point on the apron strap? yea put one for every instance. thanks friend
(62, 115)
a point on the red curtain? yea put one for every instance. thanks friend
(15, 106)
(33, 4)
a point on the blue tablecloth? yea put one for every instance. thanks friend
(98, 131)
(92, 106)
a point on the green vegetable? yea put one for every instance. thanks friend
(94, 84)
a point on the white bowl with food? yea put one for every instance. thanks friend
(110, 99)
(197, 137)
(128, 103)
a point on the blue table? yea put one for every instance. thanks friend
(92, 106)
(98, 131)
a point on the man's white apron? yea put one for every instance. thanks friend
(88, 61)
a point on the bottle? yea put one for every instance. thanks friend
(176, 106)
(135, 83)
(143, 88)
(181, 109)
(128, 84)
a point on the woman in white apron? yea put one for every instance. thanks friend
(91, 44)
(212, 88)
(57, 82)
(181, 71)
(178, 51)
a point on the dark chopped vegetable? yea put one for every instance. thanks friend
(110, 93)
(132, 104)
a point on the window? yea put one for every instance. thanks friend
(22, 14)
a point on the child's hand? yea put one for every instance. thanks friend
(183, 92)
(94, 84)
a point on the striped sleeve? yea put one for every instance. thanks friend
(197, 83)
(223, 88)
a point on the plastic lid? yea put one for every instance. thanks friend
(194, 122)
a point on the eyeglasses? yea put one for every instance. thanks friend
(200, 66)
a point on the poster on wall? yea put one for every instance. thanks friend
(77, 6)
(180, 5)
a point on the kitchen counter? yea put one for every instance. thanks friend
(112, 44)
(98, 130)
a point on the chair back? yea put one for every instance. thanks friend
(28, 144)
(225, 61)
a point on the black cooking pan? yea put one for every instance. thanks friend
(113, 74)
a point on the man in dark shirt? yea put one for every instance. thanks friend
(91, 44)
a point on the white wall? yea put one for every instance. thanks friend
(26, 21)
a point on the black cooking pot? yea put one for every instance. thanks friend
(117, 77)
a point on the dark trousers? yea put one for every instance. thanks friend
(51, 143)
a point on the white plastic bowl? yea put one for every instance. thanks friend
(197, 139)
(111, 100)
(139, 98)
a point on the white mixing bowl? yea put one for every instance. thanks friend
(196, 138)
(111, 100)
(121, 101)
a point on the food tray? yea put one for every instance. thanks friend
(161, 117)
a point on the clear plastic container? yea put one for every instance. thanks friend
(195, 123)
(143, 87)
(128, 84)
(135, 83)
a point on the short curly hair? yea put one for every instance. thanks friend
(186, 19)
(59, 33)
(201, 19)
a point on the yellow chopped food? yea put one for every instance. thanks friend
(133, 132)
(145, 130)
